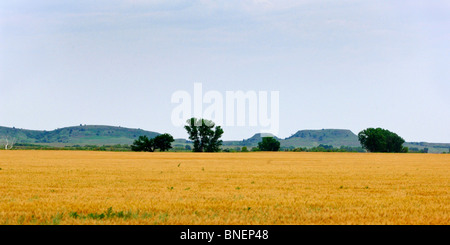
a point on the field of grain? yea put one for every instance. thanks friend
(82, 187)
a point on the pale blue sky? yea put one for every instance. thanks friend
(337, 64)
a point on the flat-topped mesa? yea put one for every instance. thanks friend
(334, 137)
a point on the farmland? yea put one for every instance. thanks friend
(86, 187)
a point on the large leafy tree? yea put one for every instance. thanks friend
(163, 142)
(204, 134)
(269, 144)
(381, 140)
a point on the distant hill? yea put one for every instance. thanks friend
(77, 135)
(306, 138)
(311, 138)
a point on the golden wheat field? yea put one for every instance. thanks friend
(82, 187)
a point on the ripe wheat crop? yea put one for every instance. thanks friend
(82, 187)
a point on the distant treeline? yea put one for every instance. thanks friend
(182, 148)
(319, 148)
(187, 148)
(118, 147)
(330, 148)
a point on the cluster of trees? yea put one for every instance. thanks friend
(162, 142)
(381, 140)
(205, 136)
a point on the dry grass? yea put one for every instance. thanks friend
(67, 187)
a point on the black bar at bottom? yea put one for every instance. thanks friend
(228, 234)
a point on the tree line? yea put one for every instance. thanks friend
(205, 136)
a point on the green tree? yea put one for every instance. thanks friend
(204, 134)
(381, 140)
(163, 142)
(143, 143)
(269, 144)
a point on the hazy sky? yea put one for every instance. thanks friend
(336, 64)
